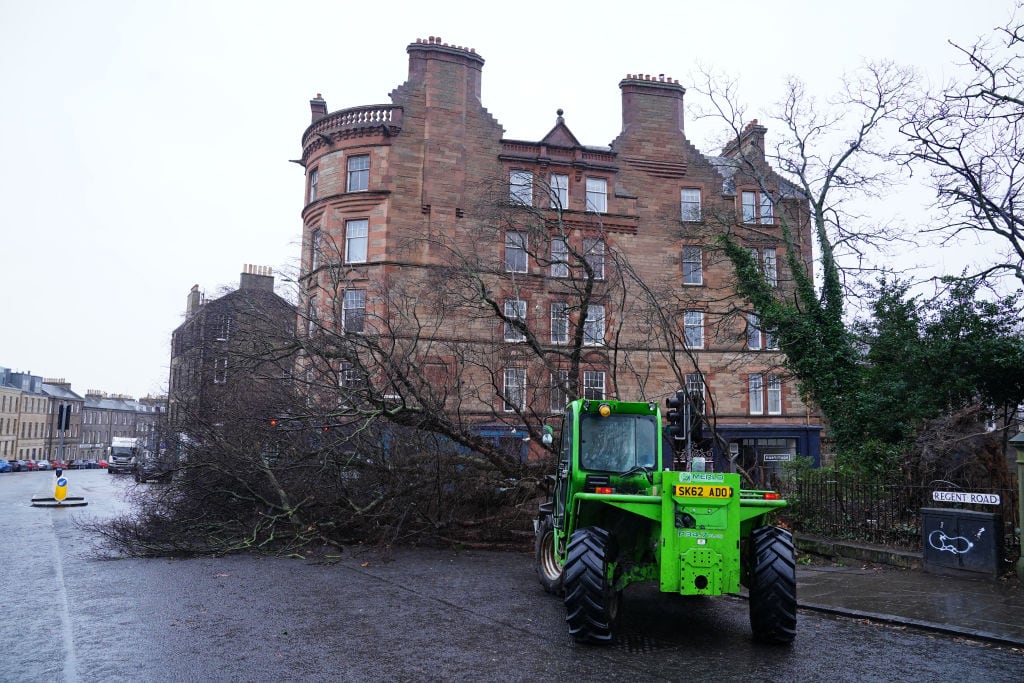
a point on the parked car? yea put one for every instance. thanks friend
(88, 465)
(29, 465)
(15, 465)
(59, 464)
(102, 464)
(153, 467)
(42, 464)
(5, 466)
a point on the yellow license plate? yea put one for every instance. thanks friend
(702, 491)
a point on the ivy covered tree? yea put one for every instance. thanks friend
(825, 157)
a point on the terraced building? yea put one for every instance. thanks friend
(447, 267)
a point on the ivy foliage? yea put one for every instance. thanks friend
(879, 380)
(819, 349)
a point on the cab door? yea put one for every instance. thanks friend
(564, 470)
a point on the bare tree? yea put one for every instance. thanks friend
(832, 155)
(826, 158)
(968, 137)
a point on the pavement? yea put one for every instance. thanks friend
(972, 605)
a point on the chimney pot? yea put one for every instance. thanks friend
(317, 108)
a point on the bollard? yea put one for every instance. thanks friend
(60, 496)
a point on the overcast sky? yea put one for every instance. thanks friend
(144, 146)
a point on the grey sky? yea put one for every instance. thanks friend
(144, 146)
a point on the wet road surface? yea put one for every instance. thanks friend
(408, 615)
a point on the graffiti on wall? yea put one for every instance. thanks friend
(958, 545)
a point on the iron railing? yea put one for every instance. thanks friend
(825, 503)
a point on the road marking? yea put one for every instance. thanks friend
(70, 663)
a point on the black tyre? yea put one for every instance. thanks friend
(772, 586)
(591, 602)
(549, 568)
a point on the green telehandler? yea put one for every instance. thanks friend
(619, 515)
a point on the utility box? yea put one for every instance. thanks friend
(962, 541)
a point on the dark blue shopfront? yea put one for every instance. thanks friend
(763, 450)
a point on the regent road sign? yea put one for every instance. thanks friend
(965, 497)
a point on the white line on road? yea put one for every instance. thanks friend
(70, 663)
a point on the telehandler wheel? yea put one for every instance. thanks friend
(549, 568)
(772, 586)
(591, 603)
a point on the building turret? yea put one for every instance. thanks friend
(450, 74)
(654, 104)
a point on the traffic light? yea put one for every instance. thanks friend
(63, 418)
(678, 414)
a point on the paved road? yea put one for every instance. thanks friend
(414, 615)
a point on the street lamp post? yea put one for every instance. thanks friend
(1018, 443)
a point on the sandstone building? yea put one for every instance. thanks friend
(30, 410)
(453, 267)
(220, 353)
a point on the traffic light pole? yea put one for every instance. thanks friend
(687, 409)
(63, 422)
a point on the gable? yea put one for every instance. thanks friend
(560, 136)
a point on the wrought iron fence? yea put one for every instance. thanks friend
(825, 503)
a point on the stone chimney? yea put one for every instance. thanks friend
(58, 382)
(750, 142)
(257, 277)
(318, 107)
(194, 301)
(652, 103)
(449, 74)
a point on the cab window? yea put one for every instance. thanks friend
(617, 443)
